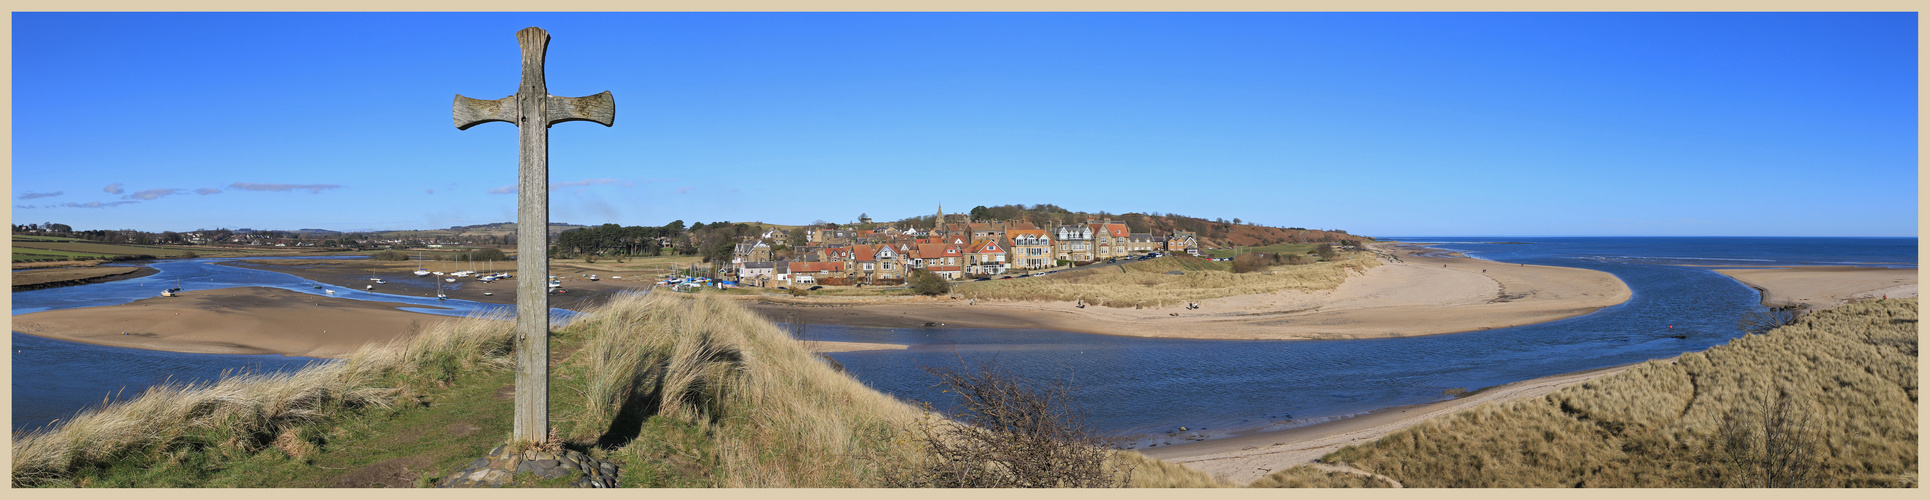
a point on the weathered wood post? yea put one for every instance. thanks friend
(533, 110)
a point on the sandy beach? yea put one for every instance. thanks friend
(1242, 459)
(251, 320)
(1427, 292)
(1823, 287)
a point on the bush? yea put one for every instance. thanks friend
(1008, 435)
(389, 255)
(1760, 322)
(925, 283)
(1325, 251)
(485, 254)
(797, 291)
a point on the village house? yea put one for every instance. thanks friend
(1030, 249)
(986, 257)
(1140, 243)
(877, 263)
(1183, 241)
(943, 259)
(1109, 239)
(1074, 243)
(818, 272)
(756, 273)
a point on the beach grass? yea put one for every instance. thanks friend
(1830, 401)
(680, 390)
(1151, 284)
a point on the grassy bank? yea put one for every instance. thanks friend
(1830, 401)
(1149, 284)
(681, 390)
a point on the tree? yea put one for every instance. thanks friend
(1325, 251)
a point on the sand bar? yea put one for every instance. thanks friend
(1823, 287)
(1440, 292)
(35, 279)
(249, 320)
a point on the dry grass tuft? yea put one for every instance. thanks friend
(247, 412)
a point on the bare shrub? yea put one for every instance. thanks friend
(1010, 435)
(1768, 446)
(1760, 322)
(1325, 251)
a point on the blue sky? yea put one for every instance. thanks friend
(1712, 124)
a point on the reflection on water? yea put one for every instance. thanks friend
(1151, 387)
(53, 378)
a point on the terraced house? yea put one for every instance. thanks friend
(1030, 248)
(941, 258)
(1074, 243)
(1109, 240)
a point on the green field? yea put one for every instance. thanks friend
(32, 255)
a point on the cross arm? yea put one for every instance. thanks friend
(473, 112)
(600, 108)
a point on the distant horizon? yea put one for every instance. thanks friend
(1586, 124)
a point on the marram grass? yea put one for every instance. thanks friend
(695, 387)
(1830, 401)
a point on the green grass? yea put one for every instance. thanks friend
(1282, 248)
(34, 254)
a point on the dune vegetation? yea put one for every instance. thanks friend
(1829, 401)
(680, 390)
(1149, 284)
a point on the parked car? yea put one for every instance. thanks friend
(983, 279)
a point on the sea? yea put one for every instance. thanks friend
(1143, 390)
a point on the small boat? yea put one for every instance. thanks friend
(592, 277)
(369, 287)
(330, 292)
(380, 282)
(419, 271)
(171, 292)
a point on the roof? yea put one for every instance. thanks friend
(985, 246)
(1115, 230)
(812, 267)
(938, 250)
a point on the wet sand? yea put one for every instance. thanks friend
(1427, 292)
(249, 320)
(35, 279)
(580, 293)
(1823, 287)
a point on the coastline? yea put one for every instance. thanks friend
(1427, 291)
(1247, 456)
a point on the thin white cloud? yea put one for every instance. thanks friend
(683, 190)
(258, 186)
(25, 207)
(510, 189)
(95, 204)
(114, 188)
(581, 183)
(207, 191)
(30, 196)
(432, 191)
(152, 194)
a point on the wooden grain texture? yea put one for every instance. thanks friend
(533, 110)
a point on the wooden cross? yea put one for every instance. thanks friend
(533, 110)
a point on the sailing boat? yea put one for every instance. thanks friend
(419, 271)
(439, 294)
